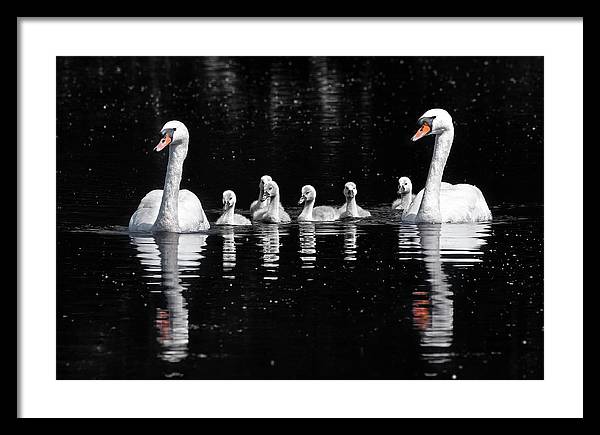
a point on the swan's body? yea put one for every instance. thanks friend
(405, 195)
(312, 213)
(351, 209)
(458, 203)
(259, 206)
(274, 212)
(443, 202)
(229, 217)
(190, 216)
(171, 210)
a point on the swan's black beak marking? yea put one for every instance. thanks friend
(425, 127)
(167, 138)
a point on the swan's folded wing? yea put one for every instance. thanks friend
(463, 203)
(284, 216)
(191, 214)
(152, 199)
(362, 212)
(145, 215)
(325, 213)
(143, 219)
(241, 220)
(458, 203)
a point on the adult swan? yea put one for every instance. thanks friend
(171, 210)
(443, 202)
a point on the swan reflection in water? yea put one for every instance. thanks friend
(441, 246)
(269, 241)
(350, 244)
(169, 258)
(308, 244)
(229, 253)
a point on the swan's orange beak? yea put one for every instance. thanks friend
(423, 131)
(166, 140)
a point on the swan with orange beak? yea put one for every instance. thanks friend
(442, 202)
(169, 209)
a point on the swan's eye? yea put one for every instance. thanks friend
(168, 132)
(426, 121)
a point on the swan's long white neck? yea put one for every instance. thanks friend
(167, 219)
(307, 211)
(429, 211)
(273, 207)
(227, 216)
(351, 205)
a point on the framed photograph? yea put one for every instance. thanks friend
(300, 219)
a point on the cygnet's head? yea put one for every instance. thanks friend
(229, 199)
(261, 185)
(308, 194)
(264, 180)
(404, 185)
(271, 190)
(350, 190)
(174, 133)
(434, 121)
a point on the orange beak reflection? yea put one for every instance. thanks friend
(423, 131)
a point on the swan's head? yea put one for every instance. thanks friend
(350, 190)
(308, 194)
(173, 133)
(265, 179)
(261, 184)
(229, 199)
(434, 121)
(404, 185)
(271, 190)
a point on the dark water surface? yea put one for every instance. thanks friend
(358, 299)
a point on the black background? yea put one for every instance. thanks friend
(320, 121)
